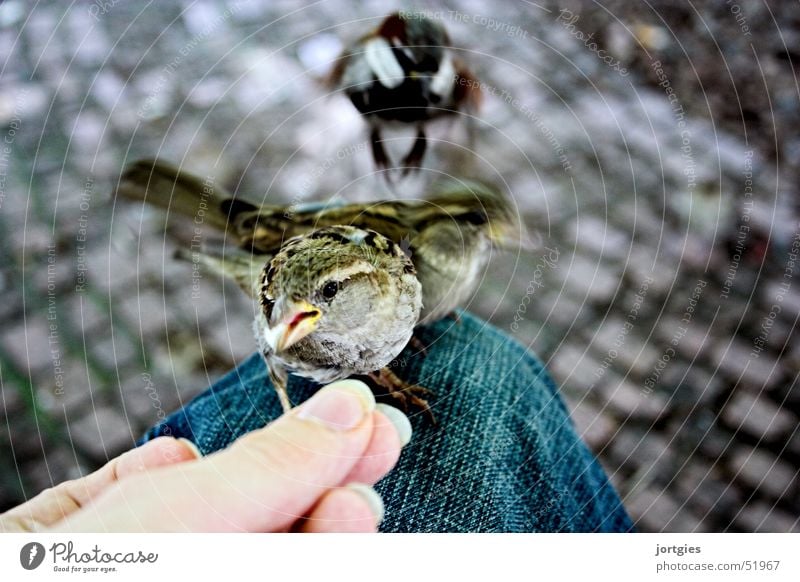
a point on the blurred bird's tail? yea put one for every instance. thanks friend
(161, 184)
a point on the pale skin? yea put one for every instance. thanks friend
(311, 470)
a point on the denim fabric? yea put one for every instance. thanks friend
(504, 456)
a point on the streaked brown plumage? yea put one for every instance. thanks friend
(449, 236)
(404, 263)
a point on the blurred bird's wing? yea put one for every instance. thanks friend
(179, 192)
(262, 229)
(245, 270)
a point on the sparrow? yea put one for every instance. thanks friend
(341, 287)
(335, 302)
(404, 72)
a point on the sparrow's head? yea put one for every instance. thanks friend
(333, 283)
(420, 38)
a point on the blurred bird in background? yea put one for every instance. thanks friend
(341, 287)
(404, 72)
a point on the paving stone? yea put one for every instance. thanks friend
(145, 312)
(10, 303)
(641, 452)
(595, 236)
(737, 362)
(570, 364)
(760, 516)
(585, 279)
(592, 423)
(560, 311)
(704, 489)
(644, 265)
(627, 352)
(691, 385)
(234, 337)
(200, 301)
(758, 416)
(84, 314)
(149, 398)
(10, 401)
(761, 470)
(629, 399)
(789, 301)
(117, 353)
(107, 266)
(713, 441)
(71, 392)
(56, 466)
(102, 433)
(691, 341)
(27, 343)
(660, 511)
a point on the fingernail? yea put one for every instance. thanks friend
(371, 497)
(340, 406)
(399, 420)
(191, 446)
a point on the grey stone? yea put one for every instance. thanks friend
(692, 341)
(592, 423)
(736, 360)
(761, 470)
(145, 312)
(758, 416)
(587, 280)
(634, 400)
(760, 516)
(69, 393)
(596, 236)
(634, 357)
(659, 511)
(102, 433)
(574, 366)
(56, 465)
(701, 485)
(115, 351)
(28, 344)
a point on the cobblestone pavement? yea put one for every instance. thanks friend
(653, 147)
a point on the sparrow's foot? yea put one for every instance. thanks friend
(413, 160)
(455, 316)
(418, 345)
(406, 394)
(382, 162)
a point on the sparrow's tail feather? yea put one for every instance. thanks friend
(244, 270)
(162, 184)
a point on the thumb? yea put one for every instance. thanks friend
(53, 505)
(264, 482)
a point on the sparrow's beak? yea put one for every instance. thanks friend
(300, 320)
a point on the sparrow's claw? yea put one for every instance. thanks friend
(407, 395)
(455, 316)
(419, 345)
(382, 162)
(413, 160)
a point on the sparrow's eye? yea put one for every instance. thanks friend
(330, 289)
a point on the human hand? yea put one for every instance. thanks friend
(310, 470)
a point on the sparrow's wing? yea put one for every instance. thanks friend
(180, 192)
(461, 204)
(261, 230)
(468, 202)
(245, 270)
